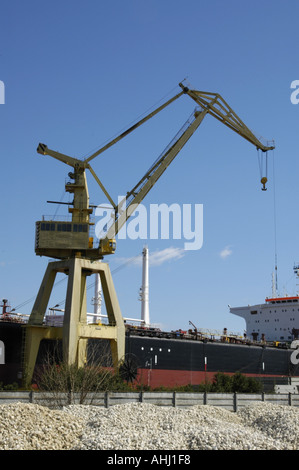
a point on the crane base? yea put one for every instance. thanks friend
(75, 331)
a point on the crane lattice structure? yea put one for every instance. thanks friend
(77, 254)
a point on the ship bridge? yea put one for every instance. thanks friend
(275, 320)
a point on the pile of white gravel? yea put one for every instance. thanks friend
(32, 427)
(141, 426)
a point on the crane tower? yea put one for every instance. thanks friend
(78, 255)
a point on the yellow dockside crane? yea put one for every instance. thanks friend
(75, 250)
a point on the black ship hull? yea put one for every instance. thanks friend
(168, 361)
(180, 362)
(11, 338)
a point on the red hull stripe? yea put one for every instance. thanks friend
(282, 298)
(172, 378)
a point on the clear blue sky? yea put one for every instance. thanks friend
(77, 73)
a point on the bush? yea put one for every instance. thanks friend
(237, 383)
(9, 387)
(69, 379)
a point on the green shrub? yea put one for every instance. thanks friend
(237, 383)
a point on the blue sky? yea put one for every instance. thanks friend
(76, 74)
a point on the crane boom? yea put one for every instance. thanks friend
(133, 198)
(60, 247)
(219, 109)
(135, 126)
(211, 103)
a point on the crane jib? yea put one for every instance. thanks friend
(58, 244)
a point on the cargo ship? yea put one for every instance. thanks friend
(158, 358)
(267, 351)
(152, 357)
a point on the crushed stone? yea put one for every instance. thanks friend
(142, 426)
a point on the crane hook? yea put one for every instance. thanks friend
(263, 161)
(264, 181)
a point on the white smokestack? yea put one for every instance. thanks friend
(97, 300)
(145, 288)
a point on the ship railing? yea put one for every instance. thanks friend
(63, 218)
(192, 335)
(57, 320)
(14, 317)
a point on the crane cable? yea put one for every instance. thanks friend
(262, 164)
(147, 111)
(274, 210)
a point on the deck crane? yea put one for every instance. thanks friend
(65, 239)
(70, 243)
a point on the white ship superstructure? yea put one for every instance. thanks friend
(275, 320)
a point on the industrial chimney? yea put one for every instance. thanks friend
(145, 288)
(97, 299)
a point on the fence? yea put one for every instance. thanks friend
(229, 401)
